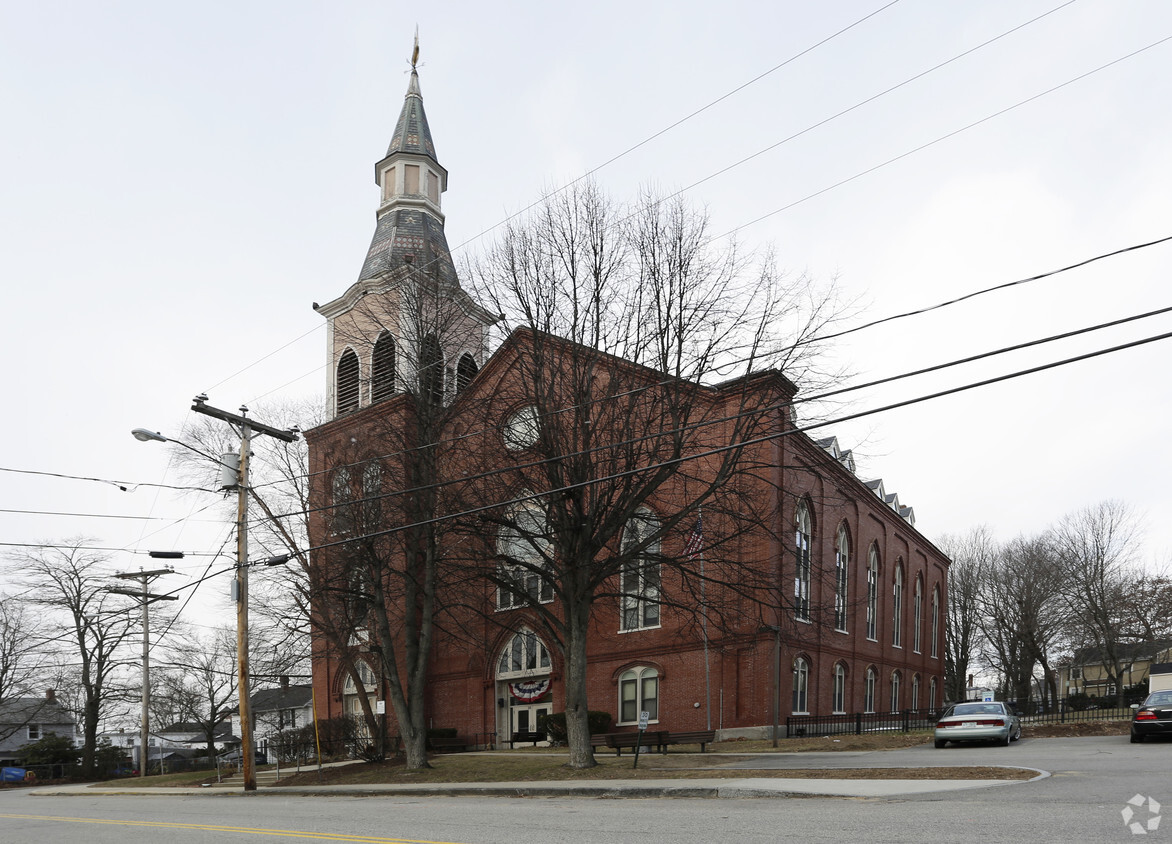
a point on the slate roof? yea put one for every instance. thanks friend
(34, 710)
(286, 697)
(412, 134)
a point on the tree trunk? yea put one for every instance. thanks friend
(577, 711)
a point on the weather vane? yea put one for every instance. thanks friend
(415, 51)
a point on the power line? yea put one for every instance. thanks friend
(743, 444)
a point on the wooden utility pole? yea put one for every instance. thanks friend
(145, 577)
(246, 427)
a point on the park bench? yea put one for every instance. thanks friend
(448, 745)
(618, 741)
(528, 736)
(700, 737)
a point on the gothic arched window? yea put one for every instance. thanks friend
(347, 382)
(382, 375)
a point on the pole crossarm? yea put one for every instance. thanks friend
(238, 419)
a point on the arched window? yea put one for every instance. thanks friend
(802, 563)
(916, 692)
(932, 694)
(842, 551)
(640, 576)
(372, 490)
(839, 702)
(935, 621)
(895, 680)
(869, 691)
(897, 606)
(523, 656)
(466, 370)
(638, 692)
(431, 371)
(917, 613)
(801, 685)
(523, 546)
(347, 382)
(382, 368)
(873, 593)
(341, 512)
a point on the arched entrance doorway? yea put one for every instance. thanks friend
(523, 683)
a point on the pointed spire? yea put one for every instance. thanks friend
(410, 222)
(412, 134)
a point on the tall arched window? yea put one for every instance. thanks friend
(466, 370)
(932, 694)
(382, 368)
(935, 621)
(638, 692)
(916, 692)
(869, 691)
(341, 514)
(917, 613)
(347, 382)
(839, 702)
(897, 606)
(802, 563)
(641, 572)
(873, 593)
(523, 546)
(895, 680)
(842, 550)
(801, 686)
(372, 491)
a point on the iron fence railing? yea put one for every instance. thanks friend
(906, 720)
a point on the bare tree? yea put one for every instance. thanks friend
(19, 659)
(646, 383)
(375, 597)
(70, 584)
(198, 681)
(972, 556)
(1098, 546)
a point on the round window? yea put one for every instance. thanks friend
(521, 428)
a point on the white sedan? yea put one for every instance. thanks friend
(990, 721)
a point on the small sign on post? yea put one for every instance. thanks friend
(644, 717)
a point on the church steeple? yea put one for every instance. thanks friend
(410, 222)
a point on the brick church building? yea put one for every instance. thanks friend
(830, 602)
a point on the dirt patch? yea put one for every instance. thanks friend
(1081, 728)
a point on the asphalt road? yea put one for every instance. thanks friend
(1092, 780)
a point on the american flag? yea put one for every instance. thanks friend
(696, 540)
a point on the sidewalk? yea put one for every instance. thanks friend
(706, 788)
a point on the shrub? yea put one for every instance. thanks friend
(554, 724)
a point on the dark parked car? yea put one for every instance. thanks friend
(233, 757)
(988, 721)
(1153, 717)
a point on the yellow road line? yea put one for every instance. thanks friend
(290, 833)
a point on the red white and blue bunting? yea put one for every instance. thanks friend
(530, 690)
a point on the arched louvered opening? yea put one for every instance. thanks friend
(347, 382)
(382, 375)
(466, 370)
(431, 371)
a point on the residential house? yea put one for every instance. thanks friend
(24, 720)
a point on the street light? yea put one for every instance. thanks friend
(246, 428)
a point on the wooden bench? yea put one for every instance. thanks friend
(530, 736)
(700, 737)
(447, 745)
(650, 739)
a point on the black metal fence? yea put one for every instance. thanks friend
(857, 723)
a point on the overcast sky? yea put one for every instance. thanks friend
(182, 181)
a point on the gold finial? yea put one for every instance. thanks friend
(415, 51)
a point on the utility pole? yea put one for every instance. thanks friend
(145, 577)
(245, 427)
